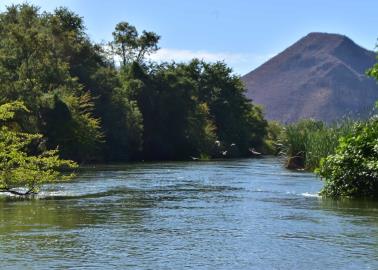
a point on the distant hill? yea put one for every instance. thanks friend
(321, 76)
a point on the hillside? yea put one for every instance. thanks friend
(321, 76)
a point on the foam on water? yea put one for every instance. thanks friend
(314, 195)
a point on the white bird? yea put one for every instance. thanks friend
(254, 152)
(224, 152)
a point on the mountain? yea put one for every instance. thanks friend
(321, 76)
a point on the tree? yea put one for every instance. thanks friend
(175, 124)
(69, 124)
(93, 111)
(237, 120)
(121, 120)
(37, 66)
(147, 44)
(132, 47)
(125, 41)
(19, 169)
(187, 108)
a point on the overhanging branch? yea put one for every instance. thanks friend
(18, 193)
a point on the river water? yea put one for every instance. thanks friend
(239, 214)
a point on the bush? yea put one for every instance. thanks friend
(353, 170)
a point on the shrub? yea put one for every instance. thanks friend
(353, 170)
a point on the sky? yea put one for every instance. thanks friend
(243, 33)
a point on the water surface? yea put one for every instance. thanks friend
(240, 214)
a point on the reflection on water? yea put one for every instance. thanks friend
(241, 214)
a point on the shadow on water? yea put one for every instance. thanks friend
(72, 212)
(351, 207)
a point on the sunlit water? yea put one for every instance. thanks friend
(241, 214)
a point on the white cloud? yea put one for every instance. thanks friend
(186, 55)
(240, 62)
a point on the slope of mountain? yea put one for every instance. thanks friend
(321, 76)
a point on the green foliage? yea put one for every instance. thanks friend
(175, 125)
(94, 111)
(353, 170)
(202, 131)
(35, 67)
(68, 123)
(186, 108)
(236, 120)
(131, 46)
(18, 169)
(124, 128)
(274, 133)
(305, 143)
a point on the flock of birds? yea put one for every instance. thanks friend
(225, 152)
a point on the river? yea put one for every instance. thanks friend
(237, 214)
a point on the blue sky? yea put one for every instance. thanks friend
(243, 33)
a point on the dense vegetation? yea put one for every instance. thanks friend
(344, 155)
(353, 170)
(17, 167)
(94, 109)
(305, 143)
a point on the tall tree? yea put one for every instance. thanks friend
(238, 121)
(35, 55)
(131, 46)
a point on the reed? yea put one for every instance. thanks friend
(305, 143)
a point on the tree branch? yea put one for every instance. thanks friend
(15, 192)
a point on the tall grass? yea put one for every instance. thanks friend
(305, 143)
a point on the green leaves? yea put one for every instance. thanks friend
(8, 110)
(18, 169)
(186, 108)
(131, 46)
(353, 170)
(92, 111)
(37, 54)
